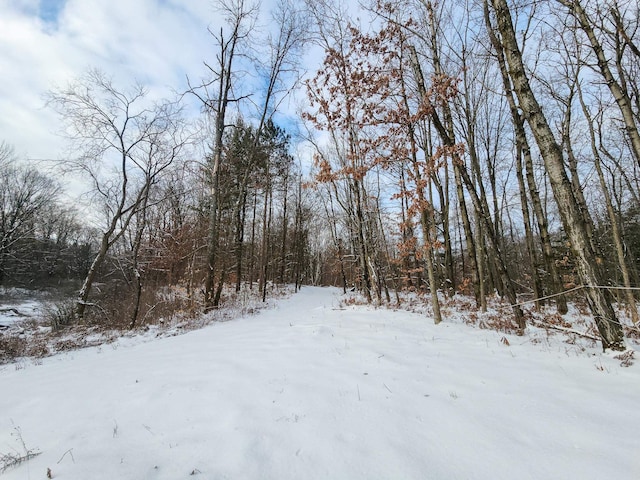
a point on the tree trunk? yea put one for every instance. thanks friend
(486, 226)
(443, 195)
(466, 223)
(361, 239)
(477, 277)
(523, 144)
(252, 252)
(426, 216)
(123, 215)
(212, 235)
(285, 225)
(574, 177)
(239, 241)
(446, 133)
(587, 263)
(83, 295)
(424, 207)
(264, 261)
(137, 274)
(613, 218)
(333, 228)
(526, 218)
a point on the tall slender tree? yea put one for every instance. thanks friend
(587, 261)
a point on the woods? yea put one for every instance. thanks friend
(441, 148)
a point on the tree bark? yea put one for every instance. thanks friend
(526, 218)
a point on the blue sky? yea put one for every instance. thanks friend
(48, 10)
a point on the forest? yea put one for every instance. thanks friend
(479, 148)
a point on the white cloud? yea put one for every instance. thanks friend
(155, 42)
(47, 43)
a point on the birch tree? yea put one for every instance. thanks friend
(587, 261)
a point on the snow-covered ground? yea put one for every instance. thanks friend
(313, 390)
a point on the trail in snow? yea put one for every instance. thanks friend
(309, 390)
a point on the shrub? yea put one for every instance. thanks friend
(12, 347)
(61, 315)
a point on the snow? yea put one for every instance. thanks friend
(314, 390)
(15, 311)
(19, 304)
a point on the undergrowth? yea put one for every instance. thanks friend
(19, 455)
(168, 312)
(575, 329)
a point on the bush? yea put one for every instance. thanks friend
(61, 315)
(12, 347)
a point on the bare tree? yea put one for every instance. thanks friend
(523, 153)
(221, 91)
(24, 194)
(587, 262)
(616, 84)
(216, 94)
(283, 48)
(123, 143)
(443, 123)
(616, 230)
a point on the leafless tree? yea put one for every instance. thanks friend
(24, 194)
(587, 262)
(616, 25)
(123, 143)
(217, 94)
(271, 58)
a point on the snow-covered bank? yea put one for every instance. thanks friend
(311, 390)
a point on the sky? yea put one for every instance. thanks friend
(45, 44)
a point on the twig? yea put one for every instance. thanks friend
(8, 461)
(70, 452)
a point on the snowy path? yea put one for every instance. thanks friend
(311, 391)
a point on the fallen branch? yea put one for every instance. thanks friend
(11, 460)
(542, 324)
